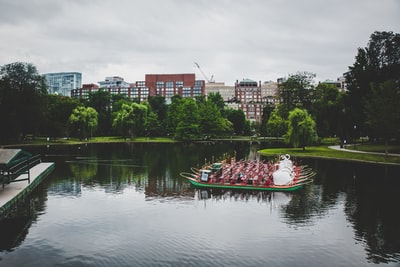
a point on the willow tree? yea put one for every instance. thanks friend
(131, 119)
(301, 128)
(84, 121)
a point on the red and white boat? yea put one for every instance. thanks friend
(283, 175)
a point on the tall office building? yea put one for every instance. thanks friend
(248, 93)
(62, 83)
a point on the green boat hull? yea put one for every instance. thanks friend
(245, 187)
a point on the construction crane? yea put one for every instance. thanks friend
(205, 76)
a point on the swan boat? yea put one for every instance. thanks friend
(282, 175)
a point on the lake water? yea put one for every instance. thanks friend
(126, 205)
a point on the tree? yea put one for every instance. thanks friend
(57, 111)
(132, 119)
(383, 111)
(173, 114)
(211, 121)
(21, 99)
(296, 92)
(301, 128)
(276, 125)
(101, 102)
(328, 109)
(267, 110)
(188, 127)
(84, 121)
(160, 108)
(238, 120)
(217, 99)
(376, 63)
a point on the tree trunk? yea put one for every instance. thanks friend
(386, 147)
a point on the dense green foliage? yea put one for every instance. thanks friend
(301, 128)
(22, 92)
(83, 121)
(375, 66)
(369, 107)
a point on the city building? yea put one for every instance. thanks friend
(168, 85)
(63, 83)
(83, 93)
(248, 95)
(113, 82)
(269, 93)
(115, 86)
(227, 92)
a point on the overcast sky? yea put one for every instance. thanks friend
(255, 39)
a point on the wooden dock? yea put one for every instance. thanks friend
(16, 191)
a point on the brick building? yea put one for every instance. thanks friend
(168, 85)
(248, 94)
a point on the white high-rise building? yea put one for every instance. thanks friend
(62, 83)
(114, 82)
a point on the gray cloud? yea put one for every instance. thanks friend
(256, 39)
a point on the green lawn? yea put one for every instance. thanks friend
(325, 152)
(320, 151)
(102, 139)
(375, 148)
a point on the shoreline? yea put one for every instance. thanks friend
(321, 152)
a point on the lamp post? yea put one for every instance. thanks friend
(355, 138)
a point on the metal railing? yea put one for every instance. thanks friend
(21, 170)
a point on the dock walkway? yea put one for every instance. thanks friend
(12, 193)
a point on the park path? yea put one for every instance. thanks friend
(365, 152)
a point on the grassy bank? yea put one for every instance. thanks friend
(325, 152)
(316, 152)
(103, 139)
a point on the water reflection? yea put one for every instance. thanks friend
(365, 195)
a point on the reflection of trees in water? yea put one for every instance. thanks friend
(15, 227)
(371, 200)
(305, 206)
(373, 212)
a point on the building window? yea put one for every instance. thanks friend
(169, 84)
(144, 91)
(186, 92)
(198, 83)
(169, 92)
(196, 91)
(179, 84)
(160, 84)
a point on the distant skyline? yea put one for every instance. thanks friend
(230, 40)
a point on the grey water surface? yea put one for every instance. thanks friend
(126, 205)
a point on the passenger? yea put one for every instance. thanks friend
(239, 179)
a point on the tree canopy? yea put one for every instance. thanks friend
(21, 101)
(84, 121)
(374, 64)
(369, 106)
(301, 128)
(296, 92)
(383, 110)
